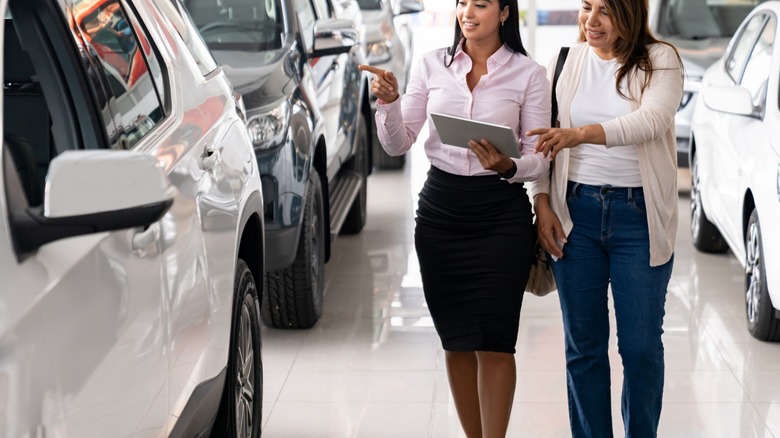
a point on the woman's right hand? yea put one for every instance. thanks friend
(384, 85)
(549, 227)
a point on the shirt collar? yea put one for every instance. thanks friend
(502, 55)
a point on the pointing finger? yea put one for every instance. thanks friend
(372, 69)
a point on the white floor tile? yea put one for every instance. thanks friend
(770, 412)
(349, 420)
(358, 386)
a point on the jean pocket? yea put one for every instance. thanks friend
(638, 203)
(571, 191)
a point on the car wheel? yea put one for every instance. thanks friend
(241, 408)
(356, 218)
(706, 237)
(761, 319)
(293, 296)
(382, 160)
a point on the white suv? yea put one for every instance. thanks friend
(130, 227)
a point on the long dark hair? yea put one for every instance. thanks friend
(509, 32)
(632, 48)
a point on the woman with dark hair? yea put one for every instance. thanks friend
(609, 212)
(474, 234)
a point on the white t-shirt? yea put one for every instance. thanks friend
(595, 101)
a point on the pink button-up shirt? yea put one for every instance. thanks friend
(515, 92)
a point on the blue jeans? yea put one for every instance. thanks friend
(610, 244)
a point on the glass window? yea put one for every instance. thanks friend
(134, 104)
(743, 46)
(370, 5)
(247, 25)
(182, 22)
(756, 75)
(697, 19)
(306, 18)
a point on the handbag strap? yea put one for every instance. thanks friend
(558, 68)
(554, 114)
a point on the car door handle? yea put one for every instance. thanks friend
(238, 100)
(210, 158)
(143, 239)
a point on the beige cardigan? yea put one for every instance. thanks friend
(650, 126)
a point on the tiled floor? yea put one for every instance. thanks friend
(372, 366)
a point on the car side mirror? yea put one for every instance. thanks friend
(731, 99)
(93, 191)
(411, 7)
(333, 36)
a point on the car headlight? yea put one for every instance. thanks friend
(378, 52)
(269, 128)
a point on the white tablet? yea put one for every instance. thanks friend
(457, 131)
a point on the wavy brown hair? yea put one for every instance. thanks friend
(632, 49)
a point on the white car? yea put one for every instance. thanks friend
(700, 30)
(735, 164)
(389, 46)
(130, 228)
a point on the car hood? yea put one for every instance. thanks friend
(697, 55)
(260, 77)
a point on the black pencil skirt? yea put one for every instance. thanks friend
(474, 242)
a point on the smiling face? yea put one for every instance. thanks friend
(480, 20)
(597, 27)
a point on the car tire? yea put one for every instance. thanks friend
(705, 235)
(759, 310)
(293, 296)
(356, 217)
(241, 408)
(382, 160)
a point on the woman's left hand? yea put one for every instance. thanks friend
(553, 140)
(489, 156)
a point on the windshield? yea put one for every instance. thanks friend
(370, 5)
(245, 25)
(698, 19)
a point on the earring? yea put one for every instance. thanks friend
(502, 24)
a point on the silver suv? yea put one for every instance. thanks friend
(131, 217)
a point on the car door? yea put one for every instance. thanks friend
(719, 162)
(328, 73)
(199, 235)
(82, 332)
(744, 134)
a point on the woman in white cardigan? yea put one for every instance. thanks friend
(608, 214)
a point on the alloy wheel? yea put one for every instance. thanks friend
(695, 199)
(245, 370)
(753, 271)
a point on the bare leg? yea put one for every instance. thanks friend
(497, 379)
(462, 375)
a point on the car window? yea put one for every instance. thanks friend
(742, 47)
(182, 22)
(306, 18)
(698, 19)
(134, 103)
(756, 75)
(238, 24)
(370, 5)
